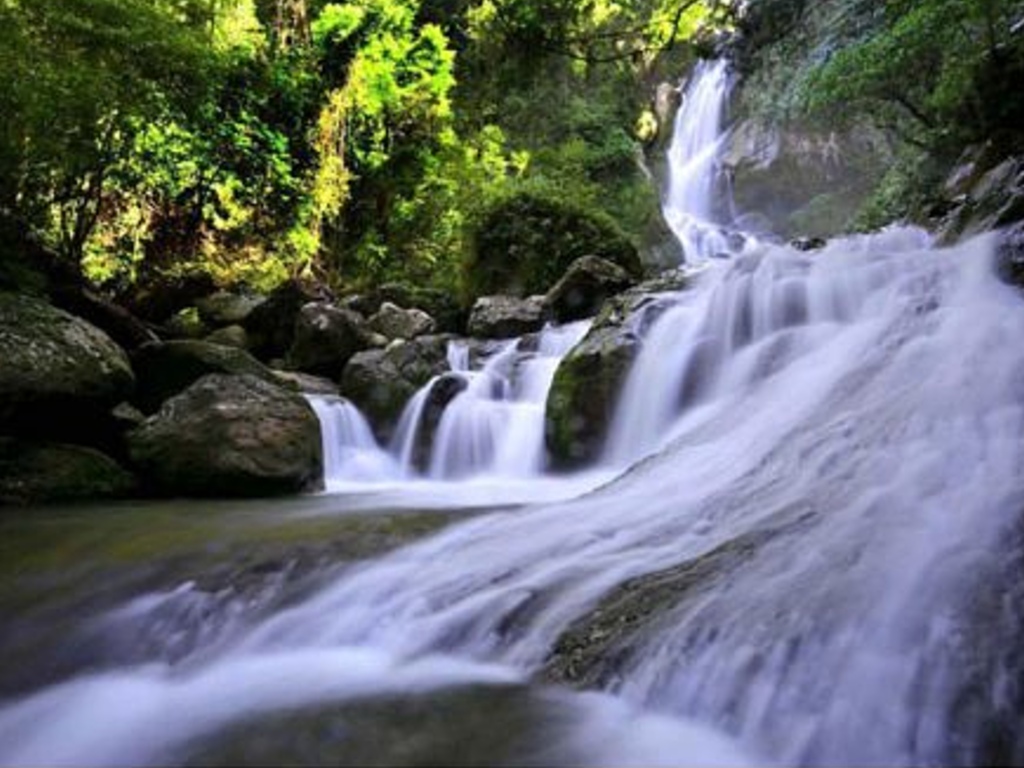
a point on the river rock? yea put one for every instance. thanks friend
(305, 382)
(59, 375)
(502, 317)
(442, 392)
(166, 368)
(229, 336)
(381, 381)
(584, 287)
(396, 323)
(326, 337)
(590, 378)
(32, 473)
(271, 325)
(224, 308)
(230, 436)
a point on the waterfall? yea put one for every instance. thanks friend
(810, 555)
(493, 427)
(693, 172)
(351, 452)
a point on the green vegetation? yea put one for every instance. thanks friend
(358, 142)
(931, 76)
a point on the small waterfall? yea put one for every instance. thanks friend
(497, 424)
(693, 175)
(464, 423)
(351, 452)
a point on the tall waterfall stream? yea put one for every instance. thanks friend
(801, 546)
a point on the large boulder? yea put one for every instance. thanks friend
(271, 325)
(229, 336)
(166, 368)
(381, 381)
(326, 336)
(230, 436)
(526, 242)
(584, 287)
(446, 309)
(394, 322)
(502, 317)
(59, 375)
(444, 389)
(32, 473)
(982, 194)
(589, 380)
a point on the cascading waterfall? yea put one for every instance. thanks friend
(820, 548)
(493, 426)
(689, 204)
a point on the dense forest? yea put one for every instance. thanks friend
(381, 140)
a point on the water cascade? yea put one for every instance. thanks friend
(811, 555)
(491, 422)
(689, 204)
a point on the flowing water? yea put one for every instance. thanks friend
(810, 553)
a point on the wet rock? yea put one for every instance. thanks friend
(304, 382)
(271, 325)
(229, 336)
(503, 317)
(33, 473)
(230, 436)
(584, 287)
(1010, 255)
(381, 381)
(396, 323)
(808, 244)
(445, 389)
(989, 199)
(326, 337)
(59, 375)
(166, 368)
(224, 308)
(590, 378)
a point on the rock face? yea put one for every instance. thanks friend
(798, 181)
(381, 381)
(326, 337)
(32, 473)
(271, 325)
(590, 378)
(980, 197)
(394, 322)
(502, 317)
(166, 368)
(58, 374)
(584, 287)
(230, 436)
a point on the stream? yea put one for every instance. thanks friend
(801, 546)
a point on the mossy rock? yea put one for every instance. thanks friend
(527, 242)
(59, 375)
(32, 473)
(230, 436)
(166, 368)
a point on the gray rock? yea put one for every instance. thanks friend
(271, 325)
(381, 381)
(58, 373)
(502, 317)
(394, 322)
(229, 336)
(326, 337)
(584, 287)
(444, 390)
(223, 308)
(166, 368)
(304, 382)
(32, 473)
(230, 436)
(590, 378)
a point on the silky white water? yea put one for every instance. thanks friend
(820, 456)
(692, 197)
